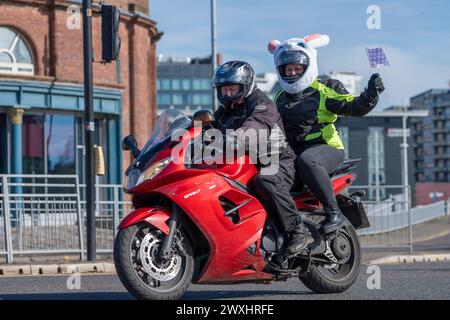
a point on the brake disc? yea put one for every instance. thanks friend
(161, 271)
(341, 248)
(329, 254)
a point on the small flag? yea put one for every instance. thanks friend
(377, 57)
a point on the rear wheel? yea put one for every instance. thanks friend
(141, 271)
(336, 277)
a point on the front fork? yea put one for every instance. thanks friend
(166, 247)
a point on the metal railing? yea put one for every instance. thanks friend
(109, 211)
(389, 210)
(45, 214)
(3, 249)
(391, 217)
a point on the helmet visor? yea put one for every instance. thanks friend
(292, 57)
(230, 74)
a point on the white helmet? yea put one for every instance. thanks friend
(297, 51)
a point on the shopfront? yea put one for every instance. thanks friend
(42, 131)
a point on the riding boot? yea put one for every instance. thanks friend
(299, 239)
(334, 220)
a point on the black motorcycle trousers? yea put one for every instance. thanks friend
(273, 191)
(313, 167)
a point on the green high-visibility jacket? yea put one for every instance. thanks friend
(308, 117)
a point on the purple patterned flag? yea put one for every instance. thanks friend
(377, 57)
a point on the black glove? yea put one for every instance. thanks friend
(375, 86)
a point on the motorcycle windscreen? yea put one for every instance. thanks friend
(169, 122)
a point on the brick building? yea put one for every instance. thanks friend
(41, 85)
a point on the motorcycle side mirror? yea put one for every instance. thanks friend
(204, 116)
(129, 143)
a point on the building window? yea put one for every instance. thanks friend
(60, 141)
(440, 137)
(33, 152)
(15, 54)
(376, 166)
(164, 99)
(343, 132)
(418, 126)
(419, 152)
(176, 84)
(180, 98)
(201, 84)
(48, 144)
(440, 163)
(163, 84)
(440, 177)
(186, 84)
(177, 99)
(439, 151)
(440, 124)
(201, 99)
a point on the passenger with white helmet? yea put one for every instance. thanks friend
(309, 108)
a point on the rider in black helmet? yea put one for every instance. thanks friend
(237, 74)
(243, 107)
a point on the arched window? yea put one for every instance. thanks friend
(15, 54)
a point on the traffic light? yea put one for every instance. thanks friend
(110, 33)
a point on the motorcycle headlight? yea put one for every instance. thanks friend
(135, 177)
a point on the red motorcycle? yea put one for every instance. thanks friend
(201, 224)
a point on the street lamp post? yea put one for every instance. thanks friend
(405, 179)
(405, 146)
(89, 130)
(213, 50)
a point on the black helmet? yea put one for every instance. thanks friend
(291, 57)
(234, 72)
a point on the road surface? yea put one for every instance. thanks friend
(401, 281)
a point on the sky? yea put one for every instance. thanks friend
(415, 36)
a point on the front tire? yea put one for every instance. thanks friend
(135, 259)
(324, 279)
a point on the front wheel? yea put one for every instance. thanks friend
(336, 278)
(140, 270)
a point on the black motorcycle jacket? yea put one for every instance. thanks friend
(257, 112)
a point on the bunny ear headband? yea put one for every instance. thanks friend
(313, 41)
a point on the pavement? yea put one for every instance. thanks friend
(57, 268)
(431, 240)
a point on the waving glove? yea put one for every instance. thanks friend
(375, 86)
